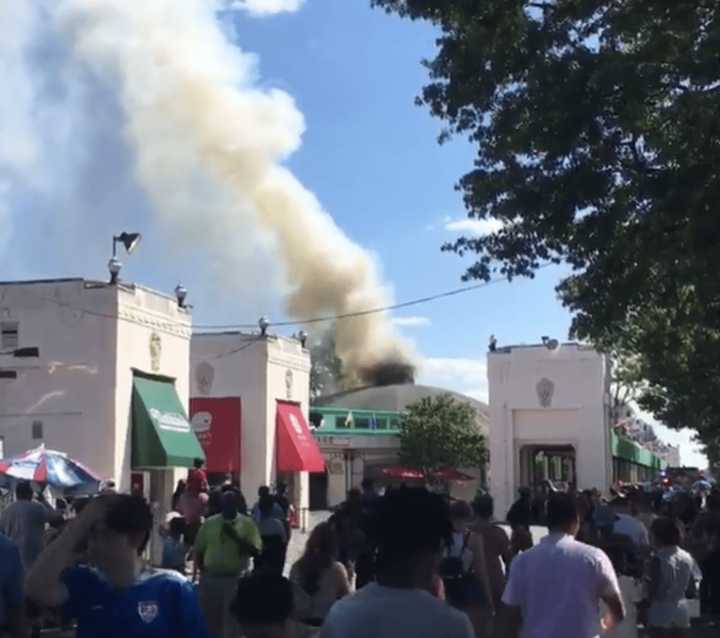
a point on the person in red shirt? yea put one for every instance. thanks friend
(194, 499)
(197, 481)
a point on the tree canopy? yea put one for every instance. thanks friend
(440, 432)
(598, 146)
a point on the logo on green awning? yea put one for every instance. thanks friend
(171, 421)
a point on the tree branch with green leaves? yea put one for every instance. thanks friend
(598, 146)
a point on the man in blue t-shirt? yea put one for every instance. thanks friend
(113, 594)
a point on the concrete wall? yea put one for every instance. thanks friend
(153, 336)
(261, 371)
(91, 336)
(70, 388)
(288, 379)
(574, 414)
(233, 365)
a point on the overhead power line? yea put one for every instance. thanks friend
(360, 313)
(296, 322)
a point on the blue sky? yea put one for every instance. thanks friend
(368, 153)
(371, 156)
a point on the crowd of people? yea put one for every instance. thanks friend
(409, 562)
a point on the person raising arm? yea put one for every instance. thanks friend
(113, 594)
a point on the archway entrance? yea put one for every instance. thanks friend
(555, 463)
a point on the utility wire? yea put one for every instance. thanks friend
(362, 313)
(295, 322)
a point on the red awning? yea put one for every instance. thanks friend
(217, 422)
(297, 450)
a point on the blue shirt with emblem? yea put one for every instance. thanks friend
(161, 604)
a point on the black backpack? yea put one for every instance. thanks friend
(451, 567)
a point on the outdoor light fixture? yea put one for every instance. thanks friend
(181, 293)
(303, 336)
(129, 240)
(264, 324)
(114, 266)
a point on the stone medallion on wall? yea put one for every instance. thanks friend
(155, 351)
(545, 390)
(204, 377)
(289, 384)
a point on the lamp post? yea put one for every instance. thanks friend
(130, 241)
(264, 324)
(181, 294)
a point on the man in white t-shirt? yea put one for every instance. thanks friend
(555, 588)
(413, 527)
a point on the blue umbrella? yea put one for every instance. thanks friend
(49, 467)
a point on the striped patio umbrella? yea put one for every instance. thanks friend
(49, 467)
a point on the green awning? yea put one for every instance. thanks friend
(624, 448)
(161, 433)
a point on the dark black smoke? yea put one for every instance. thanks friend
(388, 373)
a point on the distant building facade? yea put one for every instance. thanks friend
(550, 420)
(249, 405)
(359, 434)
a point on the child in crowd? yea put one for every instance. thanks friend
(263, 606)
(174, 548)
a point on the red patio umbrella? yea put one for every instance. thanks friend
(404, 473)
(451, 474)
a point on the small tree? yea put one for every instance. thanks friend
(439, 432)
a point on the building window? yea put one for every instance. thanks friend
(9, 335)
(37, 430)
(341, 423)
(381, 424)
(362, 423)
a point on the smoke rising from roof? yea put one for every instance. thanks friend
(208, 146)
(388, 373)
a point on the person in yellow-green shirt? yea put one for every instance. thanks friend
(223, 548)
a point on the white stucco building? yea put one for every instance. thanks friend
(110, 385)
(250, 401)
(548, 412)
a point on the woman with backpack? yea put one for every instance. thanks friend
(464, 570)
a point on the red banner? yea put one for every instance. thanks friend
(218, 424)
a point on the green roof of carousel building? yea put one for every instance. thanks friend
(377, 409)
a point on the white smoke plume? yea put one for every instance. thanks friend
(264, 7)
(208, 147)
